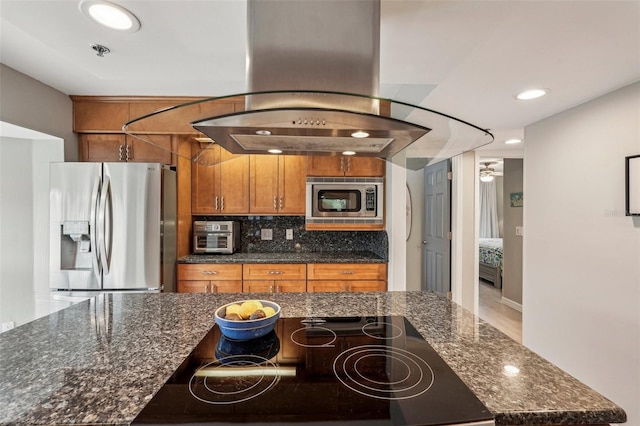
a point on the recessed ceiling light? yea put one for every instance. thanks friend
(110, 15)
(512, 141)
(360, 134)
(275, 151)
(532, 94)
(348, 153)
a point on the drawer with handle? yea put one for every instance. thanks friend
(210, 272)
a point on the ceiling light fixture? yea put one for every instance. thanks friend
(487, 178)
(532, 94)
(512, 141)
(360, 134)
(110, 15)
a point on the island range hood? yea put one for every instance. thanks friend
(304, 58)
(313, 89)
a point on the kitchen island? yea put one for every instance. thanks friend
(102, 360)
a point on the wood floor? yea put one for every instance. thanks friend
(501, 316)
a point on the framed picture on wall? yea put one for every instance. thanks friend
(515, 199)
(632, 185)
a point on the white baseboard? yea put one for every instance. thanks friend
(510, 303)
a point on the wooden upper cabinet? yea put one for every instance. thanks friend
(277, 184)
(107, 114)
(219, 181)
(319, 165)
(154, 149)
(119, 147)
(99, 116)
(107, 147)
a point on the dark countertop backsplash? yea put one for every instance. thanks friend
(309, 241)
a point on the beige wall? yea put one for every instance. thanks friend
(512, 217)
(28, 103)
(581, 294)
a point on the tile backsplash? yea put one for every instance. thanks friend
(253, 227)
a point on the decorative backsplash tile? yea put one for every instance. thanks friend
(252, 227)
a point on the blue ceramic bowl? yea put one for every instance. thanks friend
(246, 329)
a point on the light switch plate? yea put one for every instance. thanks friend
(289, 234)
(519, 231)
(266, 234)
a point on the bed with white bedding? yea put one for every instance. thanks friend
(491, 260)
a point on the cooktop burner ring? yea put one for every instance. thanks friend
(396, 331)
(329, 344)
(379, 382)
(260, 385)
(421, 375)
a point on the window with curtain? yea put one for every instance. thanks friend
(489, 227)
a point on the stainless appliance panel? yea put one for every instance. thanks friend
(345, 200)
(216, 237)
(112, 227)
(132, 225)
(74, 188)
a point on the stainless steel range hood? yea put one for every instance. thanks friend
(313, 80)
(301, 56)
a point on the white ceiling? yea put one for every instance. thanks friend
(463, 58)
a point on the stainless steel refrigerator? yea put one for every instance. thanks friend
(112, 227)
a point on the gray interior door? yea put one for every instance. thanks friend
(437, 224)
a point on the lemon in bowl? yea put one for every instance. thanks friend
(249, 320)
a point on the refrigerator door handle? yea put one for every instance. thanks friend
(95, 198)
(105, 260)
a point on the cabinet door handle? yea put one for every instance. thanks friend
(348, 164)
(346, 272)
(213, 288)
(281, 203)
(342, 164)
(127, 151)
(216, 206)
(209, 272)
(222, 203)
(120, 148)
(277, 288)
(275, 206)
(275, 272)
(270, 288)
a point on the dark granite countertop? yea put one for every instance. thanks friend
(101, 361)
(286, 257)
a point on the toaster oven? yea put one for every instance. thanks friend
(216, 237)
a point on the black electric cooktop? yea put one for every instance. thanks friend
(338, 371)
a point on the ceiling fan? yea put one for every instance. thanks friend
(487, 172)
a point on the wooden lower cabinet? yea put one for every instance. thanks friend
(209, 278)
(281, 277)
(295, 286)
(274, 277)
(326, 277)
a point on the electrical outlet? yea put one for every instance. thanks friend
(6, 326)
(266, 234)
(289, 234)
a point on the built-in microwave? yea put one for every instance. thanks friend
(345, 200)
